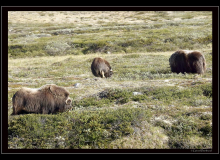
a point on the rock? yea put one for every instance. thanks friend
(77, 85)
(137, 93)
(103, 94)
(63, 31)
(42, 35)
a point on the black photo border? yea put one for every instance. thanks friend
(4, 78)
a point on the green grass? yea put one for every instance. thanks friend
(74, 129)
(172, 111)
(165, 95)
(90, 127)
(164, 34)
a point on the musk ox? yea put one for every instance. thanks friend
(187, 61)
(101, 68)
(45, 100)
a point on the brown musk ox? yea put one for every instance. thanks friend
(187, 61)
(101, 68)
(48, 99)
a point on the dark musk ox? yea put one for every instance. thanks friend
(101, 68)
(187, 61)
(45, 100)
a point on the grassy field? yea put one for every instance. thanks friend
(143, 105)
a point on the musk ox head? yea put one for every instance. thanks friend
(101, 68)
(45, 100)
(187, 61)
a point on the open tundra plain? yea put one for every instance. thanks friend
(142, 106)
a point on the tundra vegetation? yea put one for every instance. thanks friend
(143, 105)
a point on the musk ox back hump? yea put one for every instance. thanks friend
(187, 61)
(47, 99)
(101, 68)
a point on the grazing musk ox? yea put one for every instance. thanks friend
(187, 61)
(101, 68)
(45, 100)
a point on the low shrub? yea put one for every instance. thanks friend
(56, 48)
(169, 95)
(184, 129)
(85, 129)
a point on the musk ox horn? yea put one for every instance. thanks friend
(68, 101)
(102, 74)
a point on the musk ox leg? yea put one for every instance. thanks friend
(17, 110)
(14, 111)
(204, 66)
(17, 105)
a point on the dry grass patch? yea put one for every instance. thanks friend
(145, 136)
